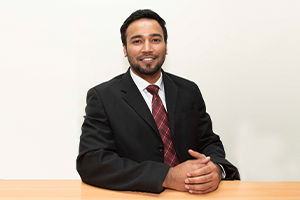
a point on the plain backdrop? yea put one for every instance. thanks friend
(243, 54)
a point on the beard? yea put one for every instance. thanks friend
(147, 70)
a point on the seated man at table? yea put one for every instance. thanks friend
(146, 129)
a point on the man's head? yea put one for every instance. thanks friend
(145, 44)
(142, 14)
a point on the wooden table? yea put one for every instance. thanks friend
(75, 189)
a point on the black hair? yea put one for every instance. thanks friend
(142, 14)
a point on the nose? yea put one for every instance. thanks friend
(147, 47)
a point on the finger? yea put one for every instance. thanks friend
(199, 179)
(202, 192)
(200, 172)
(198, 187)
(198, 155)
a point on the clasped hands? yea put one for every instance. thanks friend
(198, 176)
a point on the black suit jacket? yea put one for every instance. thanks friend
(120, 146)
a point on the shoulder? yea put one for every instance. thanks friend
(181, 82)
(106, 90)
(108, 85)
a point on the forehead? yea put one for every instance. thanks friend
(143, 27)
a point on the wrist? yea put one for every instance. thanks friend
(219, 170)
(166, 183)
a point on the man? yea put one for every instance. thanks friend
(147, 130)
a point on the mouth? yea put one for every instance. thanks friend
(147, 58)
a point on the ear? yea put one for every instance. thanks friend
(124, 50)
(166, 48)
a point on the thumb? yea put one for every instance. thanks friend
(198, 155)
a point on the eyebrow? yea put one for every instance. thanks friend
(140, 36)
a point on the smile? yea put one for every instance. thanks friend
(147, 59)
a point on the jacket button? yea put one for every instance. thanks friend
(160, 149)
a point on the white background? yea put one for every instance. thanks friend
(243, 54)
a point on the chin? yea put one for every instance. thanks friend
(150, 70)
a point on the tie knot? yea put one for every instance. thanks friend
(153, 89)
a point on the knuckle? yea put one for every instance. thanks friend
(207, 187)
(206, 178)
(215, 177)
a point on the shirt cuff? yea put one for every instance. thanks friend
(223, 171)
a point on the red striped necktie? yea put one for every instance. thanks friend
(161, 119)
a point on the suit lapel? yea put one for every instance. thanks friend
(171, 92)
(134, 98)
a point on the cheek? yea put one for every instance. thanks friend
(132, 52)
(161, 49)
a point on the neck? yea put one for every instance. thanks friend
(149, 78)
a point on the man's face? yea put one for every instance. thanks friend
(146, 48)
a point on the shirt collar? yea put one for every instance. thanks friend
(142, 84)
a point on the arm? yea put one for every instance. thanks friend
(210, 144)
(206, 178)
(98, 162)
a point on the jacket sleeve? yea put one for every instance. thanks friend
(210, 144)
(98, 163)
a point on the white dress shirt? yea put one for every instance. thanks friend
(142, 85)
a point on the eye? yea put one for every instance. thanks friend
(136, 41)
(156, 40)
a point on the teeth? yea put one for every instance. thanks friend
(148, 59)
